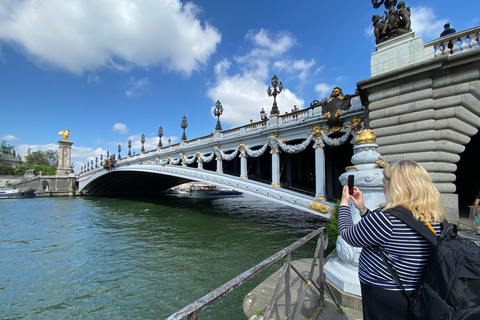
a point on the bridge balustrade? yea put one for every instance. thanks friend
(293, 180)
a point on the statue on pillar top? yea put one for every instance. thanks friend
(65, 134)
(394, 23)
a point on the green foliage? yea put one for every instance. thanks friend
(332, 225)
(6, 170)
(258, 312)
(20, 170)
(45, 169)
(38, 158)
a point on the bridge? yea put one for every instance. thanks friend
(293, 159)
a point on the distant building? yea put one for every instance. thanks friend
(8, 155)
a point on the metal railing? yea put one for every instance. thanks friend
(191, 311)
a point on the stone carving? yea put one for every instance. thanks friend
(394, 23)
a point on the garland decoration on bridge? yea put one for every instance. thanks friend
(206, 159)
(186, 159)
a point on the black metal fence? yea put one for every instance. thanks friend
(191, 311)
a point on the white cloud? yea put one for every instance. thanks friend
(120, 128)
(93, 78)
(243, 94)
(85, 35)
(324, 89)
(137, 87)
(425, 23)
(9, 137)
(300, 67)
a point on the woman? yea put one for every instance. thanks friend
(405, 184)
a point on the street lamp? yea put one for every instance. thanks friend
(217, 112)
(169, 140)
(160, 135)
(119, 150)
(274, 94)
(129, 145)
(184, 125)
(142, 140)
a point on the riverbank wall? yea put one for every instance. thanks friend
(46, 186)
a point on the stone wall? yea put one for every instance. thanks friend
(427, 112)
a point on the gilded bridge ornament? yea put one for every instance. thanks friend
(65, 134)
(320, 207)
(365, 136)
(381, 163)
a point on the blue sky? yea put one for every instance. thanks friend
(111, 70)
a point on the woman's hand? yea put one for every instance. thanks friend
(357, 199)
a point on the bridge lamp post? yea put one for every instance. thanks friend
(119, 150)
(274, 94)
(96, 162)
(184, 125)
(160, 135)
(169, 140)
(142, 140)
(129, 145)
(101, 159)
(217, 112)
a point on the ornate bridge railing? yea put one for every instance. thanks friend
(191, 312)
(461, 41)
(288, 151)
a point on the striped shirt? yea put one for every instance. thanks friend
(406, 250)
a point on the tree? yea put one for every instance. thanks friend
(20, 170)
(6, 170)
(38, 158)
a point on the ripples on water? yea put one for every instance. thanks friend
(136, 258)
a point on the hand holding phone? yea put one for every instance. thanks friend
(351, 183)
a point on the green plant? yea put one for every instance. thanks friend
(332, 225)
(258, 312)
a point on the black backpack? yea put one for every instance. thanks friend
(450, 286)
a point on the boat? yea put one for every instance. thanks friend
(204, 192)
(16, 193)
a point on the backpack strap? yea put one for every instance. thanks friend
(406, 216)
(392, 272)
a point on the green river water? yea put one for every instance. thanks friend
(137, 258)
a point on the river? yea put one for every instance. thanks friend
(136, 258)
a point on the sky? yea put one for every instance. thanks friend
(112, 70)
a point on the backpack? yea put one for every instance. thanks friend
(450, 285)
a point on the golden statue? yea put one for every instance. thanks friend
(65, 134)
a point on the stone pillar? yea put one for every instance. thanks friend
(219, 165)
(64, 157)
(319, 172)
(343, 270)
(243, 166)
(275, 168)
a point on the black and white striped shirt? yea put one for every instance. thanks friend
(406, 250)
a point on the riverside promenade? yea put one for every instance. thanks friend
(331, 312)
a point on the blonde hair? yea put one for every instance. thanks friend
(409, 185)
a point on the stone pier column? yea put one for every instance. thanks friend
(64, 156)
(275, 168)
(319, 172)
(219, 165)
(343, 270)
(243, 167)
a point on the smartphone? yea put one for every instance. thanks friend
(351, 183)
